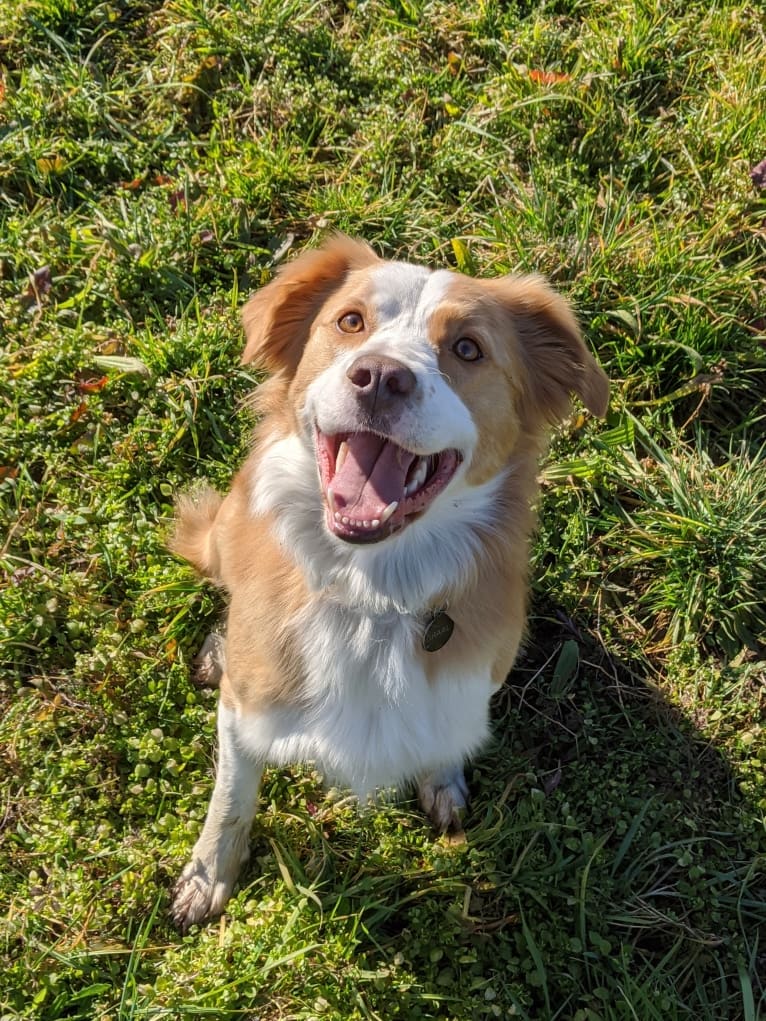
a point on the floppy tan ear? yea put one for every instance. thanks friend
(555, 357)
(277, 318)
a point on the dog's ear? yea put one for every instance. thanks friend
(556, 360)
(277, 318)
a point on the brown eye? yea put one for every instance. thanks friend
(467, 350)
(351, 322)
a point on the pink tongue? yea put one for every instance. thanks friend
(371, 477)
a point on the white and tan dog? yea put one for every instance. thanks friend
(374, 546)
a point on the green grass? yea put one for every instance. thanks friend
(160, 159)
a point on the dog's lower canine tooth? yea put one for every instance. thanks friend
(341, 457)
(388, 512)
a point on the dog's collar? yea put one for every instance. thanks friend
(437, 630)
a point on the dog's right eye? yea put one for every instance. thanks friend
(351, 322)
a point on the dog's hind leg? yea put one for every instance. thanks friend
(209, 664)
(206, 882)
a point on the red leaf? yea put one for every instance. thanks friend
(78, 412)
(92, 386)
(548, 77)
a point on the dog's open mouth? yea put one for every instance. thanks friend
(373, 487)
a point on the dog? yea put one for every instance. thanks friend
(374, 546)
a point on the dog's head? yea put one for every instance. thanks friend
(409, 382)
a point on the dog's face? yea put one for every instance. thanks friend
(412, 384)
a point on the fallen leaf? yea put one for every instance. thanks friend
(2, 90)
(282, 247)
(122, 364)
(40, 283)
(548, 77)
(758, 174)
(78, 412)
(41, 280)
(111, 346)
(22, 573)
(92, 386)
(177, 199)
(454, 63)
(133, 185)
(55, 165)
(161, 179)
(7, 472)
(552, 782)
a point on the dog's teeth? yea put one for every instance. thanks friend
(342, 451)
(375, 523)
(345, 520)
(337, 516)
(388, 512)
(331, 503)
(418, 478)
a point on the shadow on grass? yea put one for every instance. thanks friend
(644, 861)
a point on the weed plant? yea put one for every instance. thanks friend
(158, 160)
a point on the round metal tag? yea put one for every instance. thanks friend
(438, 631)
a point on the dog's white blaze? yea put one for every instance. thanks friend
(369, 716)
(404, 298)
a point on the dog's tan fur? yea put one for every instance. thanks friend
(537, 360)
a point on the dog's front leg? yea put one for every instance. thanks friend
(206, 882)
(443, 796)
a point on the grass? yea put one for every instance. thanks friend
(157, 160)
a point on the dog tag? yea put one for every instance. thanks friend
(438, 631)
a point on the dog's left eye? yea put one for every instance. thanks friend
(351, 322)
(467, 350)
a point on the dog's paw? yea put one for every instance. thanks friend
(198, 895)
(209, 664)
(444, 798)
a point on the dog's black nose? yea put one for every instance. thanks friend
(380, 383)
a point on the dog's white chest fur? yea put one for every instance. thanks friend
(370, 717)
